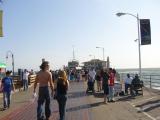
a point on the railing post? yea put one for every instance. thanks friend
(150, 82)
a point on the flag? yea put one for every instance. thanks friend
(145, 31)
(1, 28)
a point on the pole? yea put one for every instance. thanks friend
(103, 54)
(12, 59)
(102, 51)
(94, 62)
(139, 38)
(73, 53)
(139, 47)
(13, 63)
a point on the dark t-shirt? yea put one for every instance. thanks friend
(98, 77)
(105, 77)
(61, 87)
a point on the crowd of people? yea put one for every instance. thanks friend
(105, 79)
(58, 82)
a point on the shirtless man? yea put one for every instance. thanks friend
(44, 78)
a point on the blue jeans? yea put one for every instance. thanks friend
(6, 99)
(62, 105)
(126, 88)
(111, 92)
(43, 97)
(25, 84)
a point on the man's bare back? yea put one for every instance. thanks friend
(43, 78)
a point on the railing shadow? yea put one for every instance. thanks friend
(151, 105)
(76, 94)
(86, 106)
(99, 95)
(147, 103)
(151, 108)
(126, 98)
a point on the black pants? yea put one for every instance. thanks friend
(62, 105)
(43, 97)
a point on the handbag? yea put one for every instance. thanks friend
(55, 94)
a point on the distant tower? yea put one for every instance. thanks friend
(43, 59)
(73, 53)
(108, 63)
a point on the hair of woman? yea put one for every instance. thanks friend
(62, 75)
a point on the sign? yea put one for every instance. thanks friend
(2, 65)
(145, 31)
(1, 28)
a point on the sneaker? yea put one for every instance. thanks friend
(47, 119)
(105, 102)
(4, 108)
(112, 101)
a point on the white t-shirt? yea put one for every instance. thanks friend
(25, 75)
(92, 74)
(128, 80)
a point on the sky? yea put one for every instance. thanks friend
(50, 29)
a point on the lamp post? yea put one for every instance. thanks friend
(139, 38)
(102, 51)
(7, 55)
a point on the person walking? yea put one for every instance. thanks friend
(111, 85)
(105, 78)
(61, 91)
(91, 80)
(43, 78)
(7, 86)
(98, 79)
(25, 79)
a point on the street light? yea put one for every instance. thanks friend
(7, 55)
(102, 50)
(139, 38)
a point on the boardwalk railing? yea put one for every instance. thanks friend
(152, 81)
(18, 82)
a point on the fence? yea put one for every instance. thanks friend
(18, 82)
(152, 81)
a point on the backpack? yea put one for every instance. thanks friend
(7, 82)
(121, 93)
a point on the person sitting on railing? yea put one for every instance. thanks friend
(136, 84)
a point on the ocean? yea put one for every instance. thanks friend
(145, 71)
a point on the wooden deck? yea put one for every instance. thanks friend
(82, 106)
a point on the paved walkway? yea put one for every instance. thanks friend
(82, 106)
